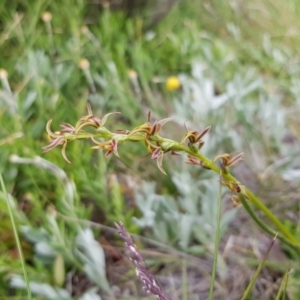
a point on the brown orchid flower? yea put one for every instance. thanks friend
(157, 152)
(193, 160)
(91, 120)
(195, 137)
(110, 146)
(150, 129)
(234, 186)
(227, 160)
(59, 138)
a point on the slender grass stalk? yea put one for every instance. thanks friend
(16, 236)
(217, 241)
(282, 289)
(184, 280)
(47, 17)
(257, 272)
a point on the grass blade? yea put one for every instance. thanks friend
(184, 280)
(258, 270)
(16, 237)
(282, 289)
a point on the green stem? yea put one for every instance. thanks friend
(257, 272)
(263, 225)
(11, 216)
(255, 200)
(271, 217)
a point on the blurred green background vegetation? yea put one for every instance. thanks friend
(238, 65)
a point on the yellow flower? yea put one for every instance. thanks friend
(172, 83)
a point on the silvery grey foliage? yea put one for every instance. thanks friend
(41, 289)
(247, 113)
(192, 215)
(90, 295)
(49, 292)
(91, 254)
(201, 106)
(86, 251)
(70, 192)
(47, 244)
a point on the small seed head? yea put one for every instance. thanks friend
(84, 29)
(132, 74)
(84, 64)
(47, 17)
(3, 74)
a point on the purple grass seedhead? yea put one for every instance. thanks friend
(150, 284)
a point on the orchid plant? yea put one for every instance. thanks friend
(157, 146)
